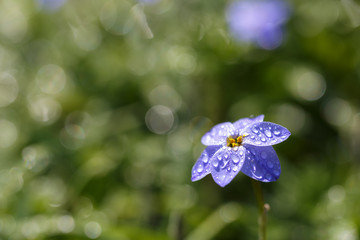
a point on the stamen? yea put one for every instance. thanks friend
(234, 141)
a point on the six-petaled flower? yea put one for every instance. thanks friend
(245, 146)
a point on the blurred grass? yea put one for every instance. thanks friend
(86, 151)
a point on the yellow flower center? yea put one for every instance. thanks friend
(234, 142)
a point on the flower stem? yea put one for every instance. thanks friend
(263, 209)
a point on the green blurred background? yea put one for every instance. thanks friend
(103, 104)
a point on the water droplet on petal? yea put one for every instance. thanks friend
(252, 136)
(253, 151)
(241, 153)
(223, 164)
(235, 149)
(219, 157)
(263, 139)
(270, 164)
(258, 173)
(253, 165)
(235, 158)
(200, 168)
(268, 133)
(276, 172)
(226, 156)
(215, 162)
(255, 130)
(235, 168)
(268, 177)
(263, 155)
(205, 159)
(276, 132)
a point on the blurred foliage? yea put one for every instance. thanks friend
(103, 104)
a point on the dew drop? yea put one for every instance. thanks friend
(229, 169)
(268, 177)
(258, 173)
(200, 168)
(276, 172)
(253, 165)
(241, 153)
(263, 155)
(263, 139)
(235, 168)
(235, 158)
(226, 156)
(219, 157)
(270, 164)
(253, 151)
(268, 133)
(276, 132)
(255, 130)
(235, 148)
(223, 164)
(215, 163)
(252, 136)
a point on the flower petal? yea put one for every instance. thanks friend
(202, 166)
(261, 163)
(243, 122)
(226, 164)
(218, 134)
(265, 134)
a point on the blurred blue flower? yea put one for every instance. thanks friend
(149, 2)
(245, 146)
(258, 21)
(51, 5)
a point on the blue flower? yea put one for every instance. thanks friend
(51, 5)
(149, 2)
(245, 146)
(258, 21)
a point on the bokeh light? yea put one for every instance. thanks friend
(337, 111)
(51, 79)
(159, 119)
(44, 109)
(8, 89)
(9, 133)
(66, 224)
(92, 230)
(306, 84)
(13, 22)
